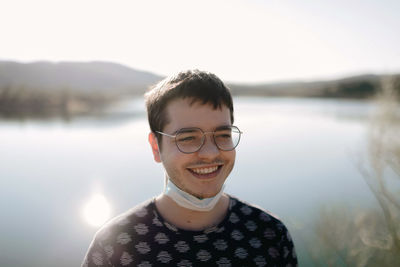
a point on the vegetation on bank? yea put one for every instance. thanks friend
(368, 236)
(358, 87)
(28, 101)
(23, 102)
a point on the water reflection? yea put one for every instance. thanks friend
(292, 159)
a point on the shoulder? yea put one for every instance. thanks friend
(112, 244)
(248, 209)
(254, 216)
(260, 230)
(136, 218)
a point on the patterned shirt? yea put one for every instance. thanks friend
(247, 236)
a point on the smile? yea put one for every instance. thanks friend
(206, 172)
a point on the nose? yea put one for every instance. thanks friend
(209, 149)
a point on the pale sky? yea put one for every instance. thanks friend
(241, 41)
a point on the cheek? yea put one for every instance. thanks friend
(167, 151)
(172, 158)
(231, 155)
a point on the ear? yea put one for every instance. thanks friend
(154, 147)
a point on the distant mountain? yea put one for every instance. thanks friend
(45, 89)
(88, 77)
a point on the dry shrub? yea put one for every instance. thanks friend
(369, 236)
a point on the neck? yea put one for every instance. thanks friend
(191, 219)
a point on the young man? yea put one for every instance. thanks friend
(193, 222)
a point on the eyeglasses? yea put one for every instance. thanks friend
(190, 140)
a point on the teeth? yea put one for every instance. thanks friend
(205, 170)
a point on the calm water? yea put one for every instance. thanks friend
(296, 155)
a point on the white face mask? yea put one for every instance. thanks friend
(189, 201)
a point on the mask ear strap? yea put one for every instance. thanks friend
(165, 181)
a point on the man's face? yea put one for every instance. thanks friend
(202, 173)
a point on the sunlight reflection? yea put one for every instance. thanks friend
(97, 210)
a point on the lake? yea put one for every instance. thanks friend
(295, 157)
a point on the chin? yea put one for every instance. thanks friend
(208, 194)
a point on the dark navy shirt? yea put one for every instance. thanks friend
(248, 236)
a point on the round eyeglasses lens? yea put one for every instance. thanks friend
(227, 138)
(189, 140)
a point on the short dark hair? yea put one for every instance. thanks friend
(199, 85)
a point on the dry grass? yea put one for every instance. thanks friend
(369, 237)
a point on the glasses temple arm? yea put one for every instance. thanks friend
(173, 136)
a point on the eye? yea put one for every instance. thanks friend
(223, 135)
(186, 138)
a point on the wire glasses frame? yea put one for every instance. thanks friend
(191, 140)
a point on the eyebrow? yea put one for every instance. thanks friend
(186, 130)
(223, 127)
(192, 129)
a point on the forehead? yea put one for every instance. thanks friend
(183, 113)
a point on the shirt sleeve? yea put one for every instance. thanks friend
(96, 256)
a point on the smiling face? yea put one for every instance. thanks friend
(202, 173)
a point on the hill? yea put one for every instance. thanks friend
(43, 89)
(94, 76)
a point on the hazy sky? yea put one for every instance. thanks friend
(247, 41)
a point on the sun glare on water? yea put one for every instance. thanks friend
(97, 210)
